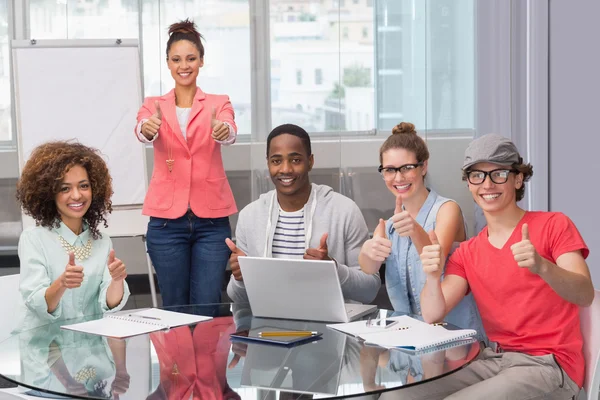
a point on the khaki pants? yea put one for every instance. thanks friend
(510, 376)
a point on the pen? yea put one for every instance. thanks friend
(287, 333)
(144, 316)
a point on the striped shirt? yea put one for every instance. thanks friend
(288, 240)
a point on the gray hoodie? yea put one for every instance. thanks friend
(325, 212)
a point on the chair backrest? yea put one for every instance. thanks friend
(590, 328)
(10, 298)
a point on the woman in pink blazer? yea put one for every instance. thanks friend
(189, 200)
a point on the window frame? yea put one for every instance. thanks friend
(12, 34)
(259, 26)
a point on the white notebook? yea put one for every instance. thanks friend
(408, 333)
(137, 323)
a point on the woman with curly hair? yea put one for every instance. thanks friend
(68, 268)
(189, 200)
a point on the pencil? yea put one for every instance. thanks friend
(287, 333)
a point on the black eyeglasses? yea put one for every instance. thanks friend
(498, 176)
(389, 173)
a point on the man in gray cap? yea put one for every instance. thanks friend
(528, 275)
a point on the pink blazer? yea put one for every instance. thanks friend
(197, 177)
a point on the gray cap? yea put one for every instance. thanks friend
(491, 148)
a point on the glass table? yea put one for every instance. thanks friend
(201, 362)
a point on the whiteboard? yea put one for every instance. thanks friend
(90, 91)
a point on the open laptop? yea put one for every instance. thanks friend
(297, 289)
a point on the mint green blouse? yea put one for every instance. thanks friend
(43, 260)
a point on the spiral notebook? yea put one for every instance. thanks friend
(136, 323)
(409, 333)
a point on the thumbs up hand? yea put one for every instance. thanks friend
(73, 275)
(431, 258)
(220, 131)
(116, 267)
(321, 253)
(379, 247)
(525, 253)
(233, 260)
(402, 222)
(150, 128)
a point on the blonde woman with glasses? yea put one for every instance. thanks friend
(418, 210)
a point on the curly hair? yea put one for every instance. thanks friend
(42, 177)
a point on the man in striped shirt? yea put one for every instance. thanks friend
(300, 219)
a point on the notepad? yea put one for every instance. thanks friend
(409, 333)
(137, 323)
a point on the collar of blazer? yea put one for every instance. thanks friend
(167, 106)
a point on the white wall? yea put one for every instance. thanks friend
(574, 111)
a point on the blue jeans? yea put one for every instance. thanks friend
(189, 255)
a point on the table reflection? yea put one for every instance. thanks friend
(62, 361)
(201, 362)
(193, 361)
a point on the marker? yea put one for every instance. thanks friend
(287, 333)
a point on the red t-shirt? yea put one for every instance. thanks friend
(519, 309)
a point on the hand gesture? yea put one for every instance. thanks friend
(233, 260)
(150, 127)
(403, 223)
(379, 247)
(116, 267)
(525, 253)
(431, 257)
(239, 350)
(120, 384)
(220, 131)
(320, 253)
(76, 388)
(73, 275)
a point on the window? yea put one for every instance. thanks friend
(390, 60)
(328, 104)
(5, 92)
(425, 64)
(224, 24)
(84, 19)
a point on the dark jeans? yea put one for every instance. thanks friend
(190, 256)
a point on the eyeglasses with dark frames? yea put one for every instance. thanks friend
(389, 173)
(498, 176)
